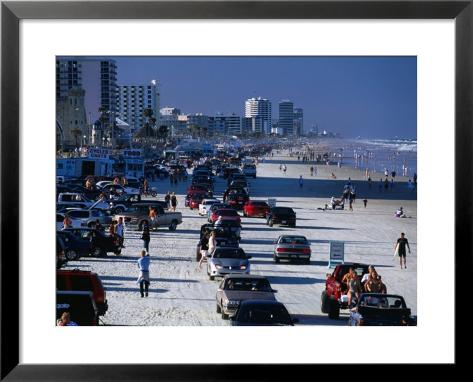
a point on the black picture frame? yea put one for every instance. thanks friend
(14, 11)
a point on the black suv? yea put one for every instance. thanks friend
(281, 216)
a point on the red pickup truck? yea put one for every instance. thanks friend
(330, 301)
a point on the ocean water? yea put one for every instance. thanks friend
(377, 154)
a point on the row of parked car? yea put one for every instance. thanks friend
(244, 298)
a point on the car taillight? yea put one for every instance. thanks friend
(306, 250)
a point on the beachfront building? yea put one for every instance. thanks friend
(286, 117)
(217, 125)
(253, 125)
(71, 123)
(97, 77)
(259, 107)
(133, 100)
(298, 121)
(169, 111)
(198, 124)
(233, 124)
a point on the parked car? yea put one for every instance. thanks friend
(262, 313)
(228, 260)
(249, 170)
(205, 205)
(376, 309)
(292, 247)
(80, 305)
(235, 288)
(225, 214)
(237, 199)
(215, 207)
(100, 242)
(124, 201)
(195, 201)
(75, 248)
(119, 189)
(87, 218)
(225, 236)
(78, 280)
(331, 298)
(281, 216)
(197, 195)
(255, 208)
(136, 216)
(74, 199)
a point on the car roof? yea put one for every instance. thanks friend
(301, 236)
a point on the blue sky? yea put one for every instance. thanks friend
(372, 97)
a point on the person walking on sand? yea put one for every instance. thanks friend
(301, 181)
(143, 278)
(173, 201)
(146, 237)
(365, 202)
(280, 167)
(400, 248)
(284, 168)
(311, 170)
(167, 199)
(369, 182)
(204, 249)
(120, 232)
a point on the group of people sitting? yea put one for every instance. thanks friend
(369, 283)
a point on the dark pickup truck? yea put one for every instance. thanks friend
(377, 309)
(281, 216)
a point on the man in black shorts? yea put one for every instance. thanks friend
(402, 243)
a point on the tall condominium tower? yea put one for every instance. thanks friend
(286, 117)
(298, 121)
(96, 76)
(259, 107)
(133, 100)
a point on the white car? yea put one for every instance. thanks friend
(204, 207)
(128, 190)
(85, 218)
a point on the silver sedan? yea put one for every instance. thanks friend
(292, 247)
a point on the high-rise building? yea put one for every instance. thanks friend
(97, 77)
(253, 125)
(286, 117)
(259, 107)
(133, 100)
(233, 124)
(298, 121)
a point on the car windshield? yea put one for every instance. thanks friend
(248, 285)
(282, 210)
(229, 254)
(382, 302)
(265, 314)
(227, 213)
(293, 240)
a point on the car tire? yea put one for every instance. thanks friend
(71, 255)
(173, 225)
(307, 261)
(270, 223)
(292, 225)
(219, 310)
(224, 316)
(119, 210)
(324, 301)
(334, 309)
(154, 194)
(276, 259)
(211, 278)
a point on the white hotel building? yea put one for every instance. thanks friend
(259, 107)
(133, 100)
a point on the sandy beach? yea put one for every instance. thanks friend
(181, 294)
